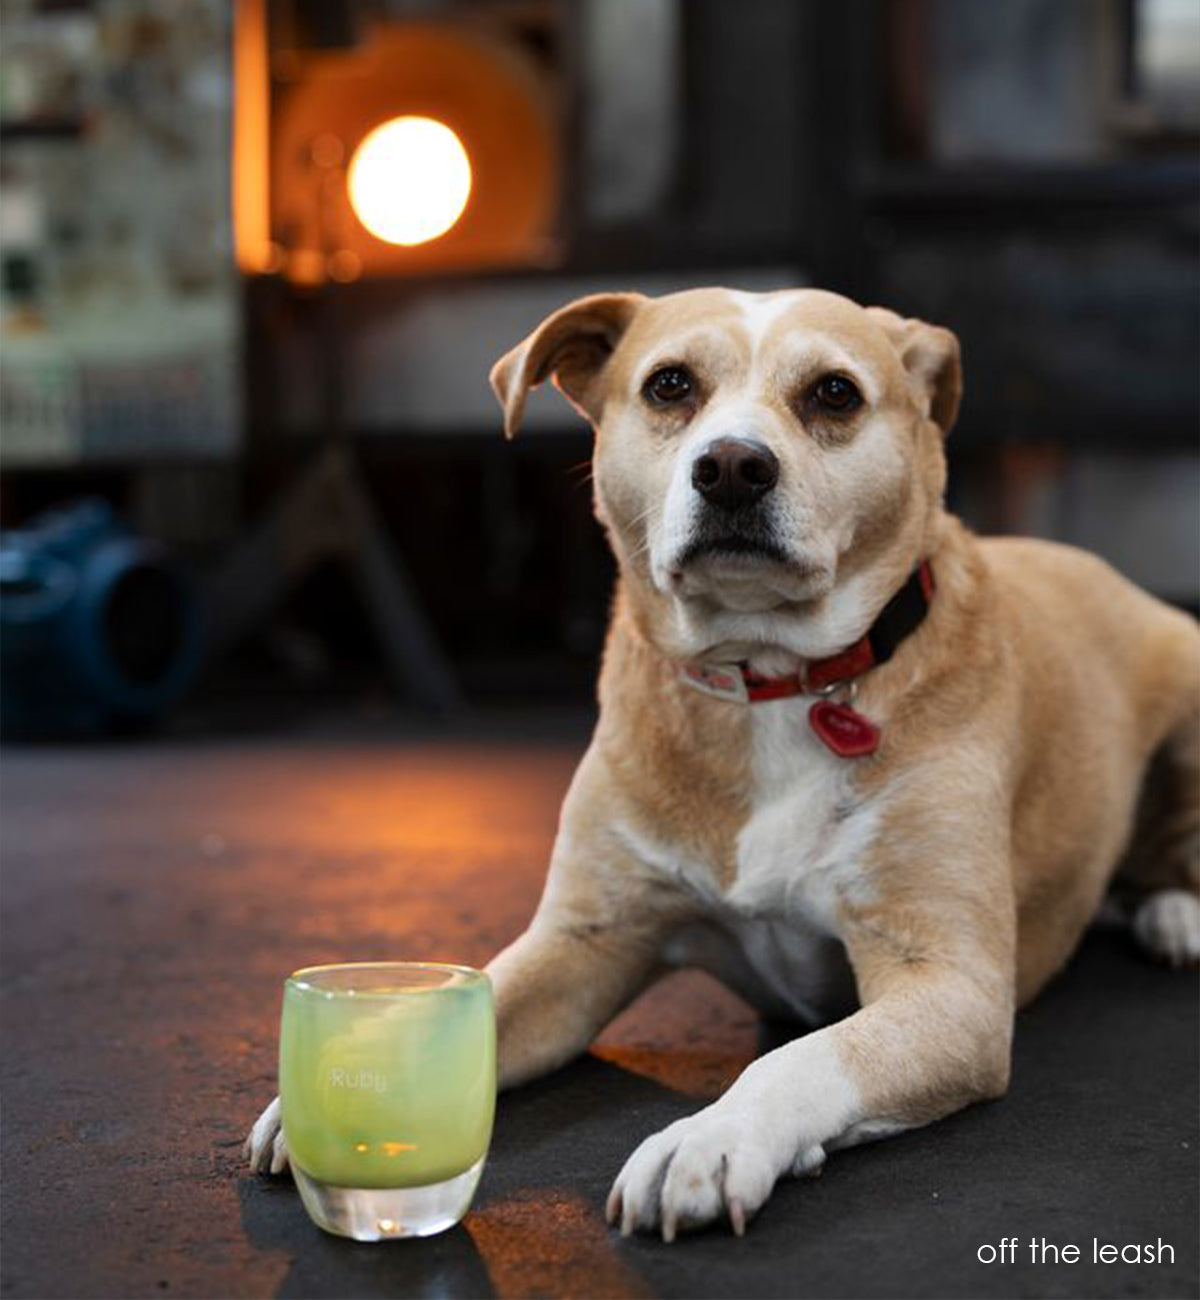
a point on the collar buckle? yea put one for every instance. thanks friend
(848, 685)
(722, 681)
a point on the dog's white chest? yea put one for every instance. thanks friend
(799, 855)
(775, 930)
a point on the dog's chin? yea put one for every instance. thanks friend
(747, 577)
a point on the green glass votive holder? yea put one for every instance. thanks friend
(387, 1086)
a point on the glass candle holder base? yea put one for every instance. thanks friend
(384, 1213)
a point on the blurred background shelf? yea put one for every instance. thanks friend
(48, 129)
(1042, 192)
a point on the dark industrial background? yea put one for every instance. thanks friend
(1024, 173)
(394, 618)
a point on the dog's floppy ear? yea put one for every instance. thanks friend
(930, 355)
(572, 345)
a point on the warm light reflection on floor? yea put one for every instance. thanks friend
(527, 1241)
(703, 1076)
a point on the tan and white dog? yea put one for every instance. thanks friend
(867, 769)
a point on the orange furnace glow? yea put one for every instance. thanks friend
(409, 180)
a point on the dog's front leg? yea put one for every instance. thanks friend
(556, 987)
(932, 1036)
(595, 942)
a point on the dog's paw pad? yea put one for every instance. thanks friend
(1167, 925)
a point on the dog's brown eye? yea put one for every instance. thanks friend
(837, 393)
(670, 384)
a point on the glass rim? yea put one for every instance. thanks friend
(302, 981)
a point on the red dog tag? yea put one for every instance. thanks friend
(845, 732)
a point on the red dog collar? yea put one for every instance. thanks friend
(846, 732)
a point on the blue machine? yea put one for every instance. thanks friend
(99, 631)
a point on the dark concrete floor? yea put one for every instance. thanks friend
(154, 896)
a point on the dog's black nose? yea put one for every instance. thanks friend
(735, 472)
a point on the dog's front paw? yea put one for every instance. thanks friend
(1168, 926)
(709, 1165)
(265, 1147)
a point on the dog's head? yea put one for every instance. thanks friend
(769, 467)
